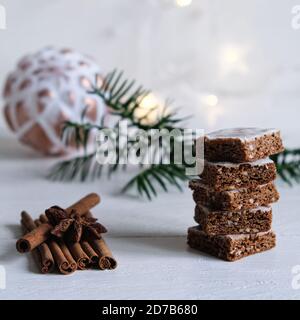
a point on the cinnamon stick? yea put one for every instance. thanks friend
(61, 261)
(34, 238)
(42, 252)
(106, 259)
(85, 204)
(73, 251)
(79, 255)
(59, 257)
(34, 253)
(39, 235)
(90, 252)
(63, 247)
(68, 255)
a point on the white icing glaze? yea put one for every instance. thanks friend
(243, 134)
(260, 162)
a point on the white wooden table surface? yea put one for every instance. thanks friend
(148, 240)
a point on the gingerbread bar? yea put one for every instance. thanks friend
(226, 222)
(230, 247)
(230, 176)
(233, 200)
(242, 144)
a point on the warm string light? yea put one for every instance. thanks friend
(233, 60)
(183, 3)
(150, 107)
(213, 109)
(210, 100)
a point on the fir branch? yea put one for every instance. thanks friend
(78, 133)
(157, 174)
(80, 167)
(288, 165)
(123, 98)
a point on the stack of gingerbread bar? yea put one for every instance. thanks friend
(234, 193)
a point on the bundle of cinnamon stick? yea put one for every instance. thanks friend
(59, 253)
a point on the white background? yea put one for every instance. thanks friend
(181, 53)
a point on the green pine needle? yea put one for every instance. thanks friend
(124, 99)
(288, 165)
(81, 167)
(161, 175)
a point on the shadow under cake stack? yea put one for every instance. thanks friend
(234, 193)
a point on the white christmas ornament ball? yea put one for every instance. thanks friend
(45, 90)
